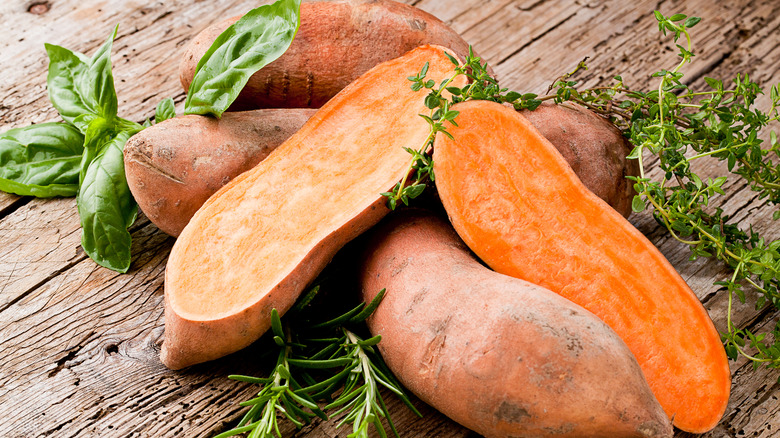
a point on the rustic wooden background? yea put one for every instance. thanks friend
(80, 343)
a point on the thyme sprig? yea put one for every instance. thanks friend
(324, 361)
(481, 86)
(679, 125)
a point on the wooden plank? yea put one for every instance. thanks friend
(84, 341)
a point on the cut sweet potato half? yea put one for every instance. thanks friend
(522, 210)
(260, 240)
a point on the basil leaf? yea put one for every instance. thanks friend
(66, 68)
(81, 86)
(256, 39)
(165, 110)
(41, 160)
(97, 83)
(107, 207)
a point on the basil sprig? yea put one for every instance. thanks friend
(84, 156)
(252, 42)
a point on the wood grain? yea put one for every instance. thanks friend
(81, 342)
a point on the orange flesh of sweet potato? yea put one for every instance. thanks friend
(336, 42)
(173, 167)
(262, 238)
(594, 148)
(522, 210)
(499, 355)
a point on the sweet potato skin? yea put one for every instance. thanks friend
(174, 166)
(336, 42)
(501, 356)
(524, 212)
(594, 148)
(261, 239)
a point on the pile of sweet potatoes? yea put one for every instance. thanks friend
(565, 333)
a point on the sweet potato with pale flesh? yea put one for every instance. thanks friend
(499, 355)
(262, 238)
(174, 166)
(594, 148)
(336, 42)
(518, 205)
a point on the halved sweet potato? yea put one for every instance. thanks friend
(500, 356)
(336, 43)
(521, 209)
(174, 166)
(262, 238)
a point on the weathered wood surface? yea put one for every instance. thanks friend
(80, 343)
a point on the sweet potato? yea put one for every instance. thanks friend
(518, 205)
(262, 238)
(594, 148)
(336, 42)
(174, 166)
(499, 355)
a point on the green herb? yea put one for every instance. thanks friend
(165, 110)
(440, 97)
(281, 394)
(679, 125)
(41, 160)
(53, 159)
(256, 39)
(323, 361)
(106, 206)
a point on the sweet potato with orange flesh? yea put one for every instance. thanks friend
(262, 238)
(336, 42)
(499, 355)
(518, 205)
(174, 166)
(594, 148)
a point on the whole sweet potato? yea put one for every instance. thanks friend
(500, 356)
(336, 42)
(174, 166)
(594, 148)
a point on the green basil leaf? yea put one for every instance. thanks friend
(165, 110)
(66, 69)
(256, 39)
(41, 160)
(107, 207)
(81, 86)
(97, 83)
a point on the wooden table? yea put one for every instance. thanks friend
(80, 343)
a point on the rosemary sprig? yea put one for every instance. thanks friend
(322, 358)
(280, 393)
